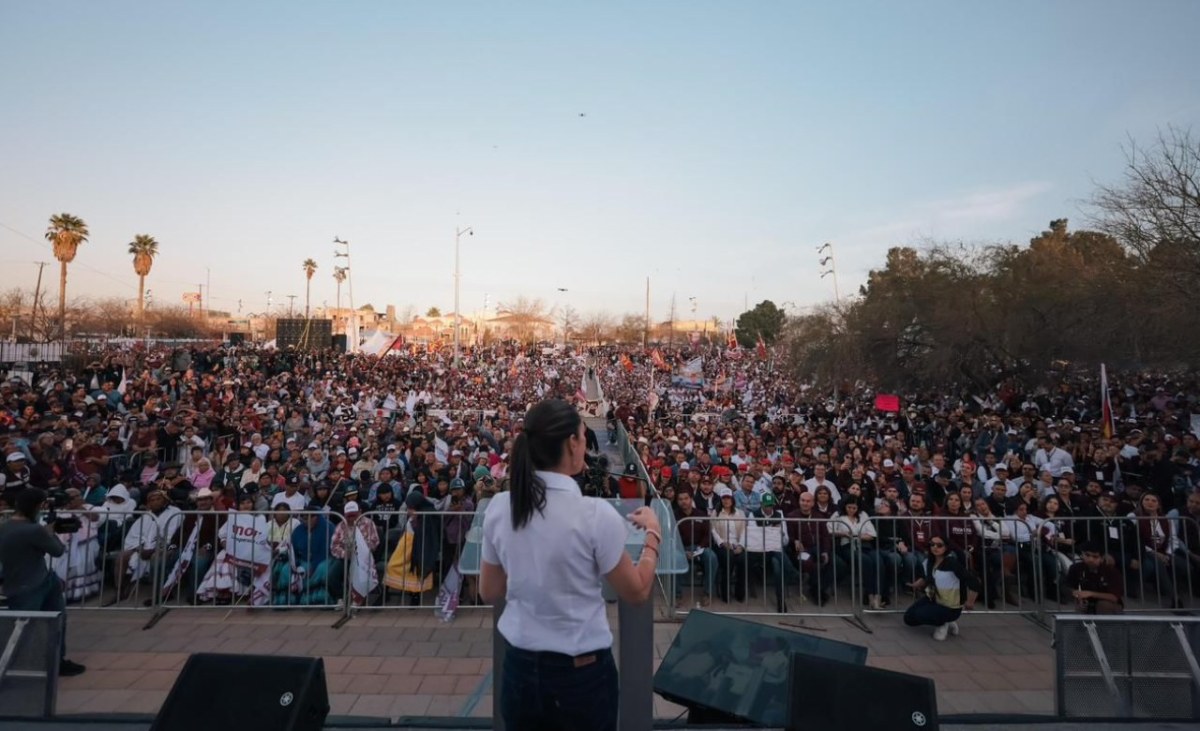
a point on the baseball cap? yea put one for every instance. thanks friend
(768, 500)
(457, 484)
(351, 507)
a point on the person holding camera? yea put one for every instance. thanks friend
(29, 584)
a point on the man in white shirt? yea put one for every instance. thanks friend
(1052, 457)
(1001, 471)
(766, 536)
(818, 479)
(291, 496)
(150, 540)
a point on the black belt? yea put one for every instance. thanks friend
(579, 661)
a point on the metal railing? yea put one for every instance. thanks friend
(756, 566)
(1003, 552)
(1022, 563)
(747, 565)
(1156, 558)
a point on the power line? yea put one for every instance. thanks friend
(43, 244)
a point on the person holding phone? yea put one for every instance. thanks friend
(546, 550)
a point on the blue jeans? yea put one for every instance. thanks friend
(707, 560)
(46, 597)
(546, 691)
(926, 611)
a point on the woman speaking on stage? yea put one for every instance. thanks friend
(546, 550)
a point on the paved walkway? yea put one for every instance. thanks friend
(404, 663)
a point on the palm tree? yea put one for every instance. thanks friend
(310, 268)
(66, 233)
(144, 248)
(339, 276)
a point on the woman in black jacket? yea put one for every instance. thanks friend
(949, 588)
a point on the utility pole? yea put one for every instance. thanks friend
(200, 304)
(291, 303)
(37, 291)
(671, 340)
(352, 320)
(458, 232)
(646, 331)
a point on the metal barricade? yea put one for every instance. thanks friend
(415, 560)
(277, 558)
(113, 561)
(1004, 553)
(756, 566)
(1156, 557)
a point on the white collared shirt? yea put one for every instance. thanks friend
(555, 565)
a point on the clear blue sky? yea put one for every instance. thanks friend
(722, 142)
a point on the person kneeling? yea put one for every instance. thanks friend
(1095, 585)
(949, 588)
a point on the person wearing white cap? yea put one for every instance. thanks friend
(16, 472)
(729, 539)
(352, 548)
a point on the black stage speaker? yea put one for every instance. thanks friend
(339, 342)
(290, 332)
(246, 693)
(827, 694)
(726, 669)
(237, 338)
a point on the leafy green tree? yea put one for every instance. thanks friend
(764, 319)
(433, 312)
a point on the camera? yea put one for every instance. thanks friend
(61, 523)
(595, 482)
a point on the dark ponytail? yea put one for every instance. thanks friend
(548, 425)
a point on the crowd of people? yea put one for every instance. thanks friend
(237, 474)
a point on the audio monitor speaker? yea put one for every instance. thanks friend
(825, 693)
(246, 693)
(725, 668)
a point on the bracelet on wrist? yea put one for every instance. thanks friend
(656, 534)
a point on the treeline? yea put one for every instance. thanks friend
(1122, 293)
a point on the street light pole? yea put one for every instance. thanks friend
(352, 320)
(458, 232)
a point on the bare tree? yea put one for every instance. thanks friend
(523, 316)
(110, 316)
(1155, 210)
(12, 308)
(568, 322)
(631, 329)
(598, 327)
